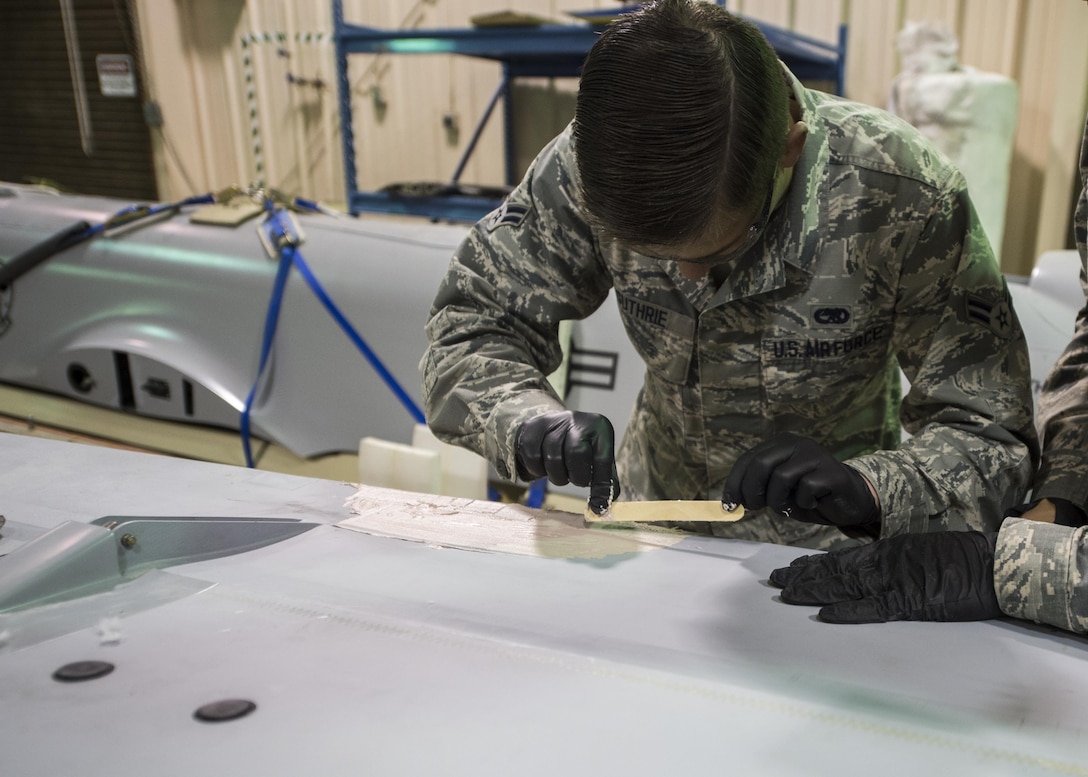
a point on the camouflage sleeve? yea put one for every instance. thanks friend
(1063, 402)
(1040, 573)
(493, 331)
(969, 408)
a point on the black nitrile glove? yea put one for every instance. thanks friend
(571, 447)
(801, 479)
(943, 576)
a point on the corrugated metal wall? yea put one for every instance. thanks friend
(69, 117)
(247, 89)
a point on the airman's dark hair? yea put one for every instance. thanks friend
(682, 112)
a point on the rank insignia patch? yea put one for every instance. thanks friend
(997, 316)
(507, 215)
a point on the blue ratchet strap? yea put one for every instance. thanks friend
(282, 236)
(354, 336)
(138, 212)
(76, 233)
(287, 250)
(536, 493)
(346, 326)
(316, 207)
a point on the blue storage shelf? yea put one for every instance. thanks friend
(552, 51)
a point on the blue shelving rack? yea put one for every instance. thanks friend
(553, 51)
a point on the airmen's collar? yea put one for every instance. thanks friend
(800, 93)
(805, 207)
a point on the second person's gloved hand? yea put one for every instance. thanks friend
(571, 447)
(802, 479)
(943, 576)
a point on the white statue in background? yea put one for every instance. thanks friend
(969, 114)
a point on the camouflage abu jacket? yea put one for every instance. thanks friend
(1041, 573)
(874, 255)
(1041, 570)
(1063, 402)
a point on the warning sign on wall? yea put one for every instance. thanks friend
(116, 75)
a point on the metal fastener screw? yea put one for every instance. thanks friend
(128, 540)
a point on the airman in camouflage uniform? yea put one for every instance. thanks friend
(1035, 567)
(874, 260)
(1040, 568)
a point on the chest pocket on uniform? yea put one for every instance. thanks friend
(662, 337)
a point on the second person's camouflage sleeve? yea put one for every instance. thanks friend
(1040, 573)
(1063, 403)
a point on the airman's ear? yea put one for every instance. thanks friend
(795, 142)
